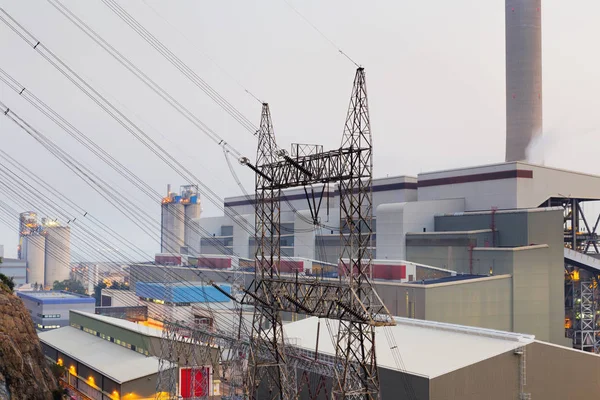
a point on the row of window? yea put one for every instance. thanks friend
(40, 326)
(48, 315)
(111, 339)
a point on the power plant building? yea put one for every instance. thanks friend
(507, 225)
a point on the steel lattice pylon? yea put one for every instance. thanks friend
(351, 300)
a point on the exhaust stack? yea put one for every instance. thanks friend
(523, 76)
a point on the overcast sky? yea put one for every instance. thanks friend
(435, 75)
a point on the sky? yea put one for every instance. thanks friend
(435, 77)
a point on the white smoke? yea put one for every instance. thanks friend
(538, 148)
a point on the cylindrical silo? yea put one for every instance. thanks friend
(34, 246)
(58, 254)
(192, 226)
(172, 227)
(523, 76)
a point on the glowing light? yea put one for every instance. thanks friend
(60, 362)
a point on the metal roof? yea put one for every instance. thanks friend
(111, 360)
(426, 348)
(447, 279)
(122, 323)
(56, 297)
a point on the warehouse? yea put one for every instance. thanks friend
(426, 360)
(110, 357)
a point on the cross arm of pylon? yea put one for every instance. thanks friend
(334, 165)
(335, 300)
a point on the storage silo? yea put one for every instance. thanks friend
(58, 254)
(27, 225)
(523, 76)
(191, 202)
(172, 226)
(34, 247)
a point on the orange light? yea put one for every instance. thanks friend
(60, 362)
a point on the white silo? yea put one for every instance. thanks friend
(191, 202)
(172, 226)
(523, 76)
(34, 251)
(58, 254)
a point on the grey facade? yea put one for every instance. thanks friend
(528, 246)
(15, 269)
(50, 310)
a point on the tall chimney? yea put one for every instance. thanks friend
(523, 76)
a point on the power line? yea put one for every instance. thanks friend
(180, 65)
(321, 33)
(191, 42)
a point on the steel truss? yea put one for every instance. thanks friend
(586, 333)
(352, 301)
(579, 234)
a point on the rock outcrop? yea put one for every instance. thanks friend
(24, 372)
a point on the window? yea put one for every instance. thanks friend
(48, 315)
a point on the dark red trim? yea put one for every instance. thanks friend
(489, 176)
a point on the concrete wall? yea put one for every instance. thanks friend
(484, 303)
(478, 195)
(394, 221)
(446, 249)
(546, 227)
(537, 271)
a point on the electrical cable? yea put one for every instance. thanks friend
(179, 64)
(321, 33)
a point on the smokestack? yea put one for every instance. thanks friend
(523, 76)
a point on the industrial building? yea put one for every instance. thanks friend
(13, 268)
(190, 303)
(111, 358)
(50, 309)
(179, 215)
(503, 219)
(46, 248)
(426, 360)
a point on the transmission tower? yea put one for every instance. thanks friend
(351, 300)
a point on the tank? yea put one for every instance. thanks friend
(172, 227)
(58, 254)
(34, 247)
(192, 227)
(27, 222)
(523, 76)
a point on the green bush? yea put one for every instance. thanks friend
(9, 282)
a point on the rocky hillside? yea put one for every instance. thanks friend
(24, 373)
